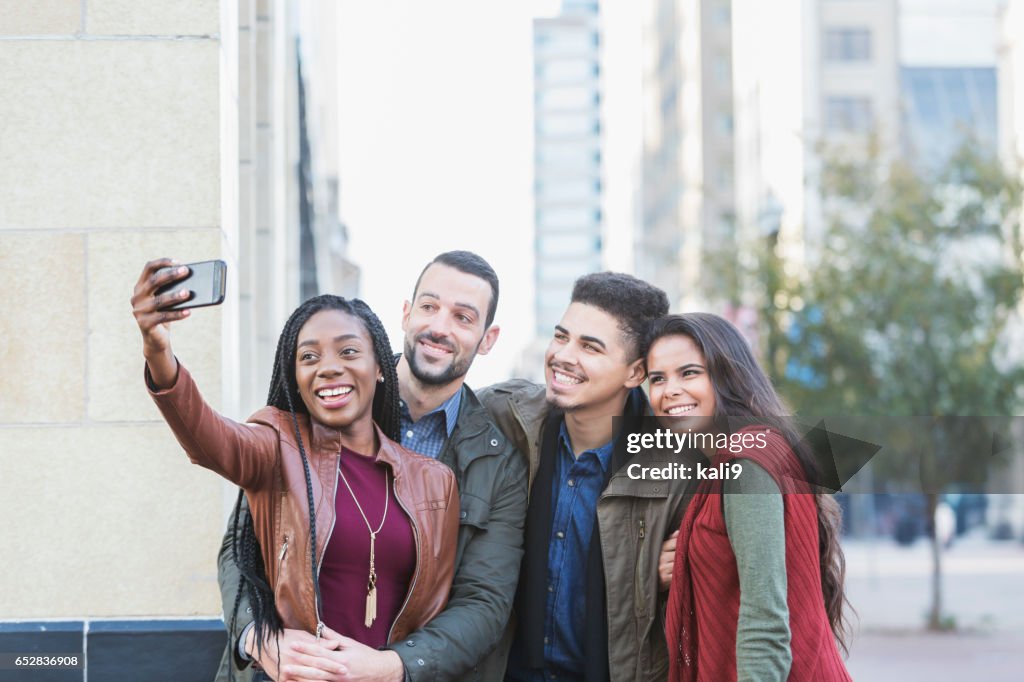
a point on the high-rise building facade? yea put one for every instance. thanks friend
(808, 77)
(687, 222)
(1011, 84)
(948, 78)
(567, 156)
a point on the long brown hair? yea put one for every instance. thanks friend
(742, 389)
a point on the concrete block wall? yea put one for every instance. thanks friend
(112, 131)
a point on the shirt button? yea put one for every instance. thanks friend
(551, 588)
(420, 661)
(410, 643)
(408, 434)
(559, 535)
(494, 442)
(571, 483)
(462, 515)
(545, 640)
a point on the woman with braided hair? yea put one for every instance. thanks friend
(349, 532)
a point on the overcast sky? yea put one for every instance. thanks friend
(436, 148)
(435, 137)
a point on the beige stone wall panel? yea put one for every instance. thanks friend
(109, 134)
(116, 389)
(132, 528)
(42, 328)
(136, 17)
(40, 17)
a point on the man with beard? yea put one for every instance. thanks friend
(589, 602)
(446, 325)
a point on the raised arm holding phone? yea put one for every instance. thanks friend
(360, 549)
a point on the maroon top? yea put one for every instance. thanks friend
(346, 566)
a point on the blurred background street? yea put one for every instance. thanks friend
(889, 587)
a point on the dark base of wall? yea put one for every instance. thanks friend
(116, 650)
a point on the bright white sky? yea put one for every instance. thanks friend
(435, 138)
(436, 119)
(948, 32)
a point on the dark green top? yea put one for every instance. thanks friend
(754, 520)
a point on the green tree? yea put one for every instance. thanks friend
(904, 310)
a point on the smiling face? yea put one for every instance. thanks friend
(445, 326)
(680, 389)
(587, 364)
(336, 370)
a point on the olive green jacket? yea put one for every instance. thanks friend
(634, 518)
(460, 643)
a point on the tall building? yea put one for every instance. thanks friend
(1011, 83)
(808, 74)
(687, 221)
(1008, 510)
(948, 78)
(567, 156)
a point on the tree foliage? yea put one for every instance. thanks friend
(908, 300)
(906, 307)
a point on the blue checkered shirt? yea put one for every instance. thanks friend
(427, 436)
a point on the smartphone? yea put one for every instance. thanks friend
(205, 281)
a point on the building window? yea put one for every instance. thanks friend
(551, 40)
(725, 123)
(566, 190)
(568, 125)
(568, 218)
(567, 97)
(848, 45)
(567, 155)
(722, 13)
(567, 245)
(848, 114)
(566, 71)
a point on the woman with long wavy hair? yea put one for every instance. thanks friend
(757, 582)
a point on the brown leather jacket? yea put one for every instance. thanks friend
(262, 457)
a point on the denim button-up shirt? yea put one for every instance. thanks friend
(576, 487)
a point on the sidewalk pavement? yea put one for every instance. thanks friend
(983, 594)
(897, 657)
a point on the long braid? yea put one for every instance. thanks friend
(312, 507)
(385, 400)
(245, 548)
(284, 395)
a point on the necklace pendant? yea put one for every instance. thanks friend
(371, 606)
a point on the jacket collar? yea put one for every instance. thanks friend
(327, 442)
(531, 409)
(473, 424)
